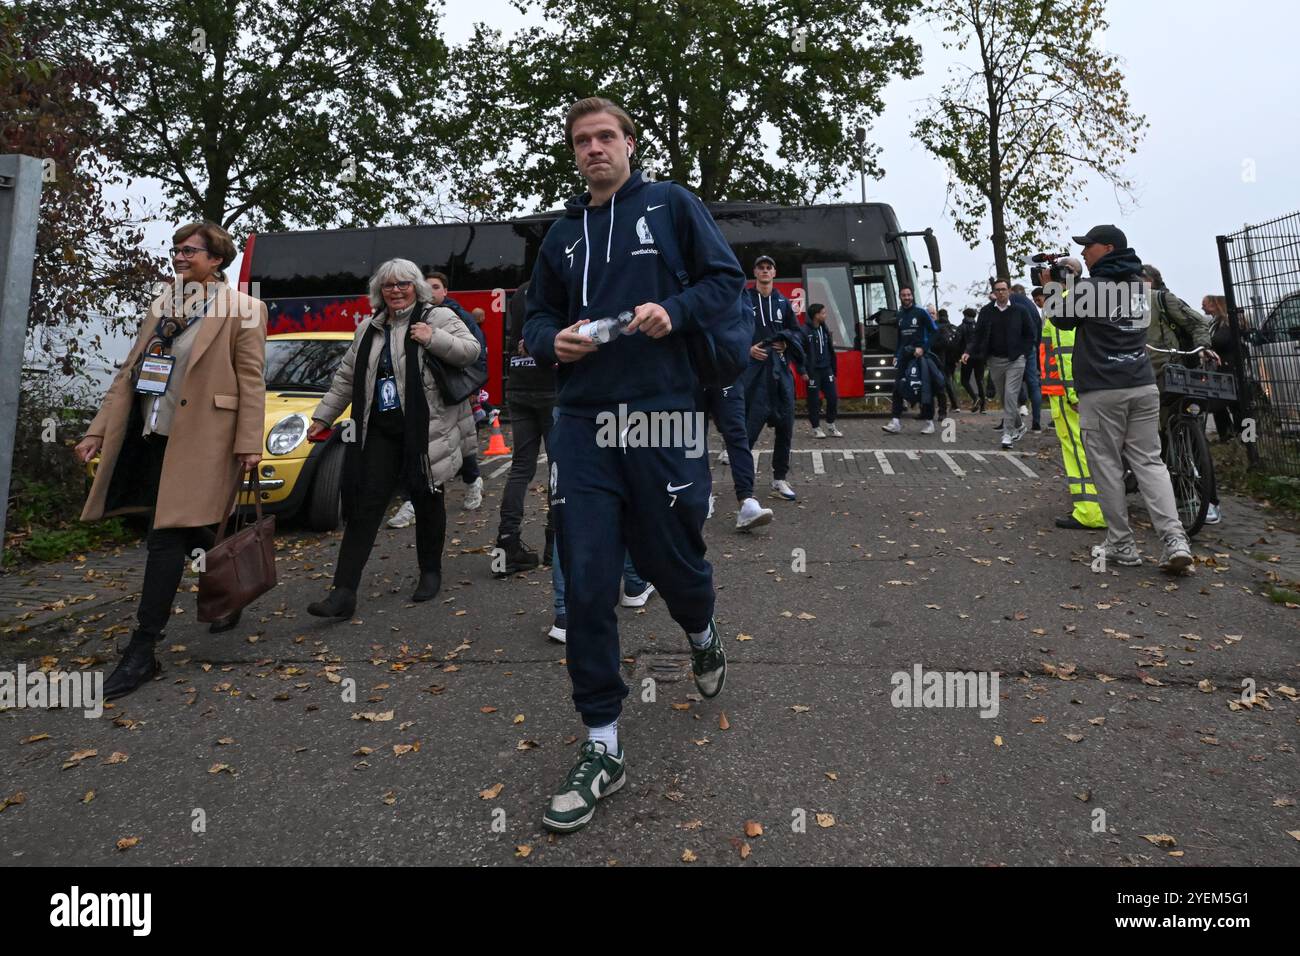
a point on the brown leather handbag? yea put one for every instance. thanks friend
(240, 568)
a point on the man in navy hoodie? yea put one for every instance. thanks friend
(600, 260)
(769, 386)
(916, 332)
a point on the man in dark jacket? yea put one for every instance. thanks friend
(965, 343)
(1031, 388)
(916, 332)
(819, 372)
(1119, 404)
(530, 393)
(599, 260)
(1004, 338)
(768, 382)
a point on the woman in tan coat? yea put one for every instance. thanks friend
(182, 420)
(403, 429)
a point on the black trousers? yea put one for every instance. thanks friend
(381, 470)
(530, 427)
(974, 367)
(167, 550)
(822, 381)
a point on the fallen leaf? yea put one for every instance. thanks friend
(689, 857)
(363, 751)
(90, 795)
(832, 776)
(1204, 686)
(825, 820)
(681, 706)
(373, 716)
(527, 745)
(487, 710)
(1073, 738)
(117, 757)
(33, 738)
(805, 616)
(17, 800)
(800, 708)
(1284, 802)
(221, 768)
(523, 850)
(997, 741)
(79, 756)
(723, 723)
(390, 798)
(1294, 833)
(127, 842)
(1038, 720)
(691, 825)
(1160, 839)
(400, 749)
(744, 637)
(1096, 721)
(491, 792)
(753, 828)
(744, 851)
(519, 719)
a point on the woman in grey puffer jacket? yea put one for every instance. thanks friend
(397, 435)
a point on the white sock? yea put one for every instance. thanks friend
(702, 639)
(607, 735)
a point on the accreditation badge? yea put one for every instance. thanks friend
(155, 373)
(387, 394)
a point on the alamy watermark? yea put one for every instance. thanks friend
(634, 429)
(40, 690)
(922, 688)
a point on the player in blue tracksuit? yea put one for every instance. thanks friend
(611, 493)
(769, 386)
(819, 372)
(916, 333)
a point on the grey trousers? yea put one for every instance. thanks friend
(1119, 425)
(1007, 376)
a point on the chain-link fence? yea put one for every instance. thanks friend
(1261, 286)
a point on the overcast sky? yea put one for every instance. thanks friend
(1216, 81)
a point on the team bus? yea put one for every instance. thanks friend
(852, 258)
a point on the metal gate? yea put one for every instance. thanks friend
(1261, 282)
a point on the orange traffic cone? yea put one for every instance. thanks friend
(497, 443)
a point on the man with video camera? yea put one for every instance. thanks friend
(1119, 405)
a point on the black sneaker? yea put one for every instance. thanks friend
(709, 664)
(519, 557)
(340, 603)
(597, 774)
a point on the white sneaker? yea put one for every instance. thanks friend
(473, 495)
(894, 427)
(752, 515)
(559, 630)
(928, 428)
(1213, 515)
(835, 432)
(1024, 411)
(818, 433)
(724, 458)
(782, 487)
(637, 600)
(712, 499)
(405, 515)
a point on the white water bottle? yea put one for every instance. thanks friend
(603, 331)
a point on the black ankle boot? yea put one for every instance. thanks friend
(519, 557)
(138, 666)
(341, 602)
(228, 623)
(429, 586)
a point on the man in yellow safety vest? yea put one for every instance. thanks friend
(1056, 367)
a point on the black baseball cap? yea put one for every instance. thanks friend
(1104, 235)
(968, 312)
(761, 259)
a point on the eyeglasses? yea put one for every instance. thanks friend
(187, 252)
(397, 286)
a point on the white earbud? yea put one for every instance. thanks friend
(629, 152)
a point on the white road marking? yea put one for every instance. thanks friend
(848, 455)
(912, 455)
(1016, 461)
(505, 466)
(952, 465)
(819, 466)
(885, 466)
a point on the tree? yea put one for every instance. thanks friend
(713, 85)
(270, 114)
(90, 266)
(1021, 130)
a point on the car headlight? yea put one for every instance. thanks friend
(287, 434)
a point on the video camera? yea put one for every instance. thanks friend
(1046, 267)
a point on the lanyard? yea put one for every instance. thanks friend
(170, 329)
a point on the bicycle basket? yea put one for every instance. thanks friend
(1199, 383)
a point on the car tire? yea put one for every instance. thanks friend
(324, 504)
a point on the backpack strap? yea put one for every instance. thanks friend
(658, 195)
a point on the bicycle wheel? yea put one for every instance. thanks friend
(1189, 470)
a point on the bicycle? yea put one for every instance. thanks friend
(1184, 449)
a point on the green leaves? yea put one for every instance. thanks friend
(740, 100)
(1034, 108)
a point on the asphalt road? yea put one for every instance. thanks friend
(1118, 717)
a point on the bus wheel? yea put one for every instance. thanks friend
(324, 506)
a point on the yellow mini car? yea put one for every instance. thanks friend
(298, 477)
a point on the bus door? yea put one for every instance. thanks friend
(831, 284)
(877, 341)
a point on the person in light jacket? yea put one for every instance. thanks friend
(183, 418)
(403, 430)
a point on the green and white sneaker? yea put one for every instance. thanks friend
(596, 774)
(709, 664)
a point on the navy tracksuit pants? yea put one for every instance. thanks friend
(726, 407)
(822, 382)
(651, 502)
(769, 400)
